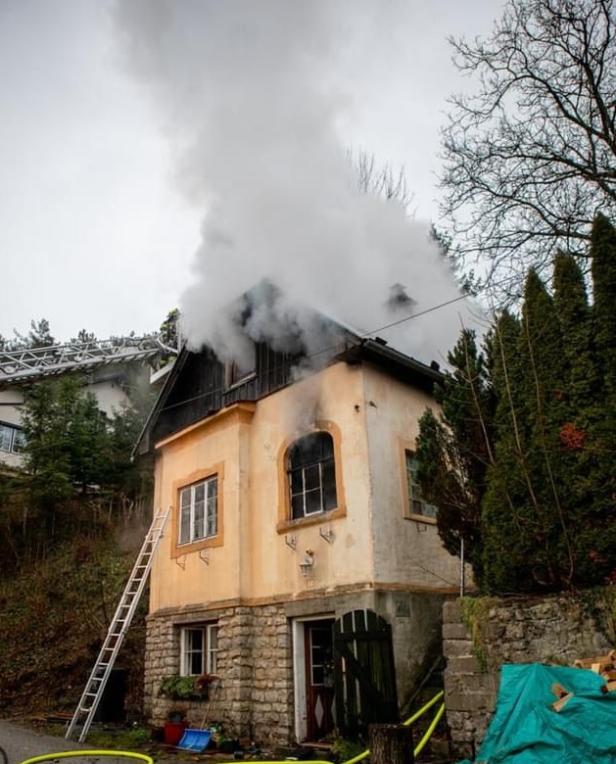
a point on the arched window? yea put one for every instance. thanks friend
(312, 475)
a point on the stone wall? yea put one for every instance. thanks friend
(253, 698)
(554, 629)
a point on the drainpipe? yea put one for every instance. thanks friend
(461, 567)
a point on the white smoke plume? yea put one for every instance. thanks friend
(253, 97)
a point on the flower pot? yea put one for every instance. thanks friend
(173, 732)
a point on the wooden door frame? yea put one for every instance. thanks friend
(298, 631)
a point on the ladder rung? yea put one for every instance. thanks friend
(112, 642)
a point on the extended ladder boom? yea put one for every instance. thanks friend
(30, 364)
(95, 686)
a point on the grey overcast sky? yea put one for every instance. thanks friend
(94, 232)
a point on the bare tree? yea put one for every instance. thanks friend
(530, 157)
(381, 180)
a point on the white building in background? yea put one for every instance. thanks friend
(11, 433)
(109, 368)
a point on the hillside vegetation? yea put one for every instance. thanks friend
(54, 615)
(71, 523)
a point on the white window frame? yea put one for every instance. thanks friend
(413, 491)
(209, 651)
(14, 435)
(304, 491)
(210, 519)
(211, 648)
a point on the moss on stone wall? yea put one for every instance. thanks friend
(475, 615)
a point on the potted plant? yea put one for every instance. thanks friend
(178, 687)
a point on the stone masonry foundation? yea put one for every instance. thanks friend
(253, 698)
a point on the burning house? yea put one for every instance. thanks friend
(300, 566)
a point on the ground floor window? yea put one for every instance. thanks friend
(199, 649)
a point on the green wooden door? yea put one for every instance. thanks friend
(364, 676)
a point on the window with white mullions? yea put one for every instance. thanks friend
(212, 648)
(198, 511)
(417, 505)
(12, 439)
(312, 475)
(194, 652)
(199, 649)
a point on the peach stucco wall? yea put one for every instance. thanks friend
(255, 562)
(371, 542)
(405, 550)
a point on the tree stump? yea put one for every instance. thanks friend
(390, 744)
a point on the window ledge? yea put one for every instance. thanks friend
(302, 522)
(180, 550)
(421, 519)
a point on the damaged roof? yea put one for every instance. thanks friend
(198, 384)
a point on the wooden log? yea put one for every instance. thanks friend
(559, 690)
(390, 744)
(603, 660)
(558, 705)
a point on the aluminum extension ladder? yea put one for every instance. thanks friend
(95, 686)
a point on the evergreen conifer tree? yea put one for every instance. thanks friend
(535, 498)
(573, 310)
(603, 266)
(510, 516)
(455, 449)
(600, 448)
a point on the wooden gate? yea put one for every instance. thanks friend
(364, 676)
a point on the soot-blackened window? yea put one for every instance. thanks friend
(312, 475)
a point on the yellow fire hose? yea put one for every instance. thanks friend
(420, 746)
(360, 757)
(437, 716)
(78, 753)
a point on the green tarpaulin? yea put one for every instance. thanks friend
(526, 730)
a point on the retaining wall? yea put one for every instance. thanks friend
(481, 634)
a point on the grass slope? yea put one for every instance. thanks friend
(53, 617)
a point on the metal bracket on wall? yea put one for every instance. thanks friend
(204, 556)
(181, 562)
(327, 534)
(291, 542)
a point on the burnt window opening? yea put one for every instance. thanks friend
(238, 372)
(311, 474)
